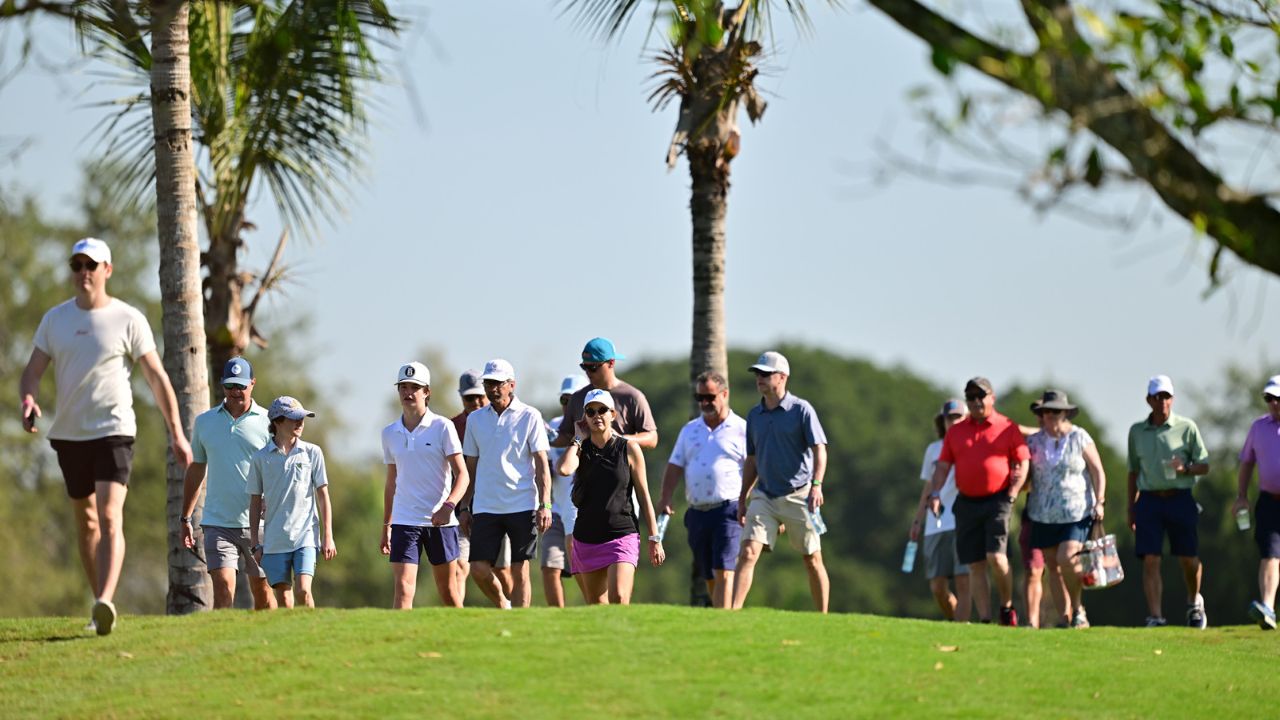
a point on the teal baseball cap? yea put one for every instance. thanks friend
(600, 350)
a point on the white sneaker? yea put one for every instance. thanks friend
(1196, 616)
(104, 617)
(504, 605)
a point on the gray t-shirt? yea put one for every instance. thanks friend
(287, 484)
(631, 411)
(93, 352)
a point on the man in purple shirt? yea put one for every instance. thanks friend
(1262, 450)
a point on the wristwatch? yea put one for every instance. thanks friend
(655, 538)
(257, 547)
(186, 520)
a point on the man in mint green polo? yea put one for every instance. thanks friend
(222, 441)
(1166, 455)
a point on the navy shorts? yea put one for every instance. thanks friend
(408, 542)
(1047, 535)
(488, 529)
(1267, 533)
(1175, 515)
(714, 536)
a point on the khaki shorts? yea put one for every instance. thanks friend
(229, 548)
(551, 547)
(765, 513)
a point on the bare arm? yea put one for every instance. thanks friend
(647, 439)
(1132, 495)
(29, 388)
(639, 480)
(569, 460)
(671, 477)
(1018, 477)
(327, 547)
(158, 380)
(819, 471)
(934, 486)
(192, 481)
(542, 481)
(748, 484)
(461, 480)
(388, 504)
(1094, 464)
(255, 511)
(1244, 478)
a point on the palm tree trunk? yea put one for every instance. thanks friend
(708, 205)
(180, 291)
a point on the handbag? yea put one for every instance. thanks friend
(1100, 565)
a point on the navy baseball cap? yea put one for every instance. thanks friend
(600, 350)
(237, 371)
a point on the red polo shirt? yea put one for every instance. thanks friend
(983, 452)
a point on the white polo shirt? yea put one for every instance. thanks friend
(561, 485)
(712, 459)
(504, 445)
(423, 476)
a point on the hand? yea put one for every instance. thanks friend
(1132, 525)
(1241, 503)
(1177, 464)
(464, 522)
(30, 411)
(1098, 512)
(815, 498)
(935, 505)
(328, 549)
(914, 535)
(385, 546)
(742, 512)
(665, 509)
(181, 451)
(543, 519)
(442, 516)
(188, 541)
(257, 554)
(656, 554)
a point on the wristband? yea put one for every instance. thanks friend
(544, 506)
(186, 520)
(257, 547)
(655, 538)
(448, 504)
(816, 483)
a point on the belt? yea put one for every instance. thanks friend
(703, 507)
(1167, 493)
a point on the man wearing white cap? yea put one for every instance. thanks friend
(426, 479)
(1262, 450)
(781, 479)
(1166, 455)
(553, 549)
(506, 454)
(223, 440)
(93, 340)
(471, 391)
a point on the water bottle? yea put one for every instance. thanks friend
(663, 519)
(909, 556)
(815, 520)
(1242, 519)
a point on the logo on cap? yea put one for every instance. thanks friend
(408, 371)
(235, 369)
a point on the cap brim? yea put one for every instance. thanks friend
(764, 368)
(496, 378)
(237, 381)
(1271, 390)
(415, 381)
(472, 391)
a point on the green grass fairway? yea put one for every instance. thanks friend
(641, 661)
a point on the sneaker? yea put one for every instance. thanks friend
(104, 617)
(1009, 617)
(1265, 616)
(90, 626)
(1153, 621)
(1079, 620)
(1195, 614)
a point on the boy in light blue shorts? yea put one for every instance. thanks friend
(287, 478)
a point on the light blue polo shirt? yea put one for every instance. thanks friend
(287, 484)
(782, 441)
(225, 444)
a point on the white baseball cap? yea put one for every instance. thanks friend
(772, 361)
(93, 248)
(572, 384)
(414, 372)
(602, 397)
(1273, 386)
(499, 370)
(1159, 384)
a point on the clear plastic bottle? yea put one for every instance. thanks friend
(909, 556)
(1242, 519)
(815, 519)
(663, 519)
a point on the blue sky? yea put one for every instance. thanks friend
(530, 209)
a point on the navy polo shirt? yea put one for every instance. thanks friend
(782, 441)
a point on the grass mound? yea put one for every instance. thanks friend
(649, 661)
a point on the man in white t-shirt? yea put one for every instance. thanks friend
(93, 341)
(554, 548)
(939, 533)
(506, 452)
(709, 455)
(426, 480)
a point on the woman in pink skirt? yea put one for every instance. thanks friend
(606, 539)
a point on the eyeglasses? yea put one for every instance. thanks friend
(975, 397)
(590, 367)
(495, 383)
(705, 397)
(594, 411)
(90, 265)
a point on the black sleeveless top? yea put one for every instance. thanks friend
(602, 493)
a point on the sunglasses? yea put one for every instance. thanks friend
(229, 388)
(763, 374)
(593, 411)
(1050, 411)
(705, 397)
(590, 367)
(974, 397)
(955, 416)
(90, 265)
(1271, 398)
(1163, 396)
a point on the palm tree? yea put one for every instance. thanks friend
(709, 64)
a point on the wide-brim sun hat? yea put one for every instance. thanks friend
(1055, 400)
